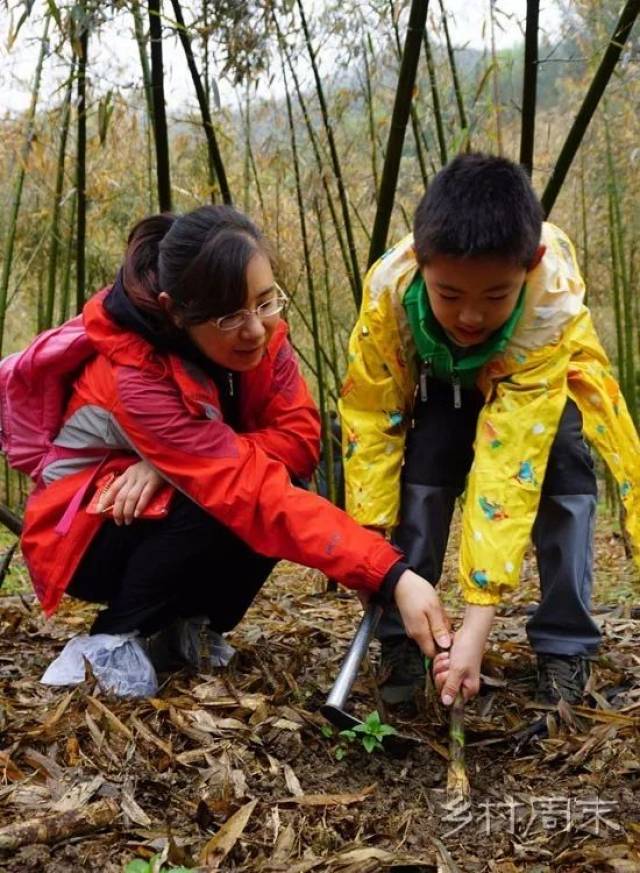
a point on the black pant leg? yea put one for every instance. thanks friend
(228, 578)
(186, 564)
(438, 456)
(563, 537)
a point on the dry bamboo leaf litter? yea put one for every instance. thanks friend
(179, 767)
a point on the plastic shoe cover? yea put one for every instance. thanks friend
(201, 646)
(118, 662)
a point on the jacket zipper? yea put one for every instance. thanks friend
(424, 374)
(457, 393)
(230, 383)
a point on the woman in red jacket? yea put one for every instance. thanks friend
(194, 375)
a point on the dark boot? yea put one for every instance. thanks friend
(562, 676)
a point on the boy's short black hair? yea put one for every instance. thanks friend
(478, 205)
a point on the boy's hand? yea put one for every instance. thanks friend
(424, 617)
(459, 668)
(131, 492)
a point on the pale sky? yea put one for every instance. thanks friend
(115, 62)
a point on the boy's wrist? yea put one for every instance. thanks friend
(479, 619)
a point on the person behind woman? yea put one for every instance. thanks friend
(194, 382)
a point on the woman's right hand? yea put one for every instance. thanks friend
(424, 617)
(131, 492)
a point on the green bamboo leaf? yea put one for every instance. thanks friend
(483, 81)
(13, 32)
(55, 13)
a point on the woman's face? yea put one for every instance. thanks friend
(243, 347)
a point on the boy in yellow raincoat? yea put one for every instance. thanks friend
(474, 368)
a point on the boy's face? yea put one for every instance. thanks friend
(473, 297)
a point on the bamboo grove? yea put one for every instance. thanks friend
(335, 117)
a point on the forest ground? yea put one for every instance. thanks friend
(237, 765)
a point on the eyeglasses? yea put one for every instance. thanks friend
(268, 309)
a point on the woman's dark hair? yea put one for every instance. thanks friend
(200, 259)
(479, 205)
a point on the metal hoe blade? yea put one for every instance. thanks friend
(334, 709)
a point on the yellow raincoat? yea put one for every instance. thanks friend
(553, 354)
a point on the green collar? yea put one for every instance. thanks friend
(436, 349)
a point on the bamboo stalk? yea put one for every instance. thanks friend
(252, 161)
(54, 238)
(306, 251)
(529, 86)
(246, 164)
(10, 520)
(415, 124)
(205, 52)
(10, 237)
(585, 228)
(161, 135)
(141, 42)
(457, 778)
(454, 75)
(399, 119)
(623, 295)
(631, 395)
(309, 327)
(66, 280)
(319, 353)
(81, 159)
(56, 826)
(615, 279)
(636, 309)
(435, 98)
(626, 302)
(335, 162)
(331, 323)
(309, 364)
(8, 489)
(496, 83)
(319, 162)
(215, 164)
(40, 286)
(6, 562)
(590, 103)
(368, 91)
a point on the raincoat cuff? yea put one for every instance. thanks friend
(481, 598)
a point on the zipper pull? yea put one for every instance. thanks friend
(457, 394)
(424, 372)
(230, 383)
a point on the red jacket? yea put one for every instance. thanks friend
(168, 411)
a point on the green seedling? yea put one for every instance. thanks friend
(140, 866)
(340, 750)
(370, 733)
